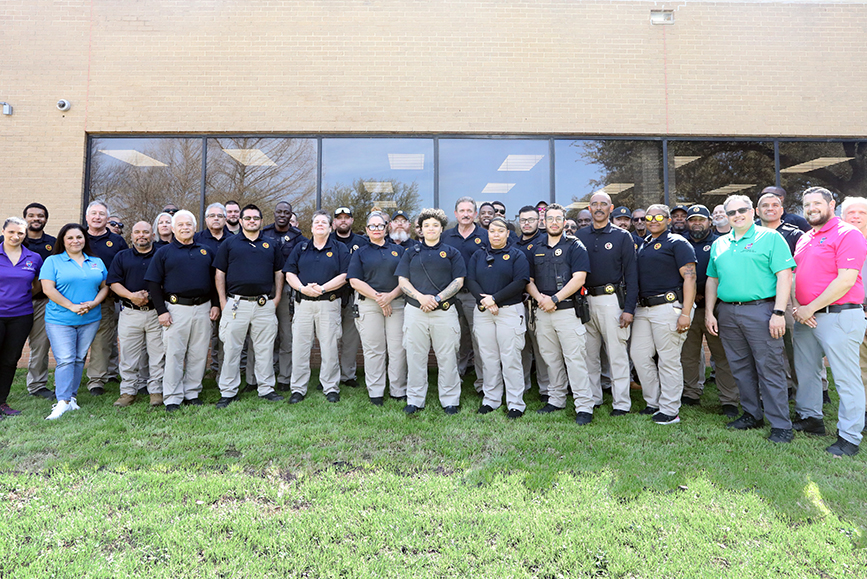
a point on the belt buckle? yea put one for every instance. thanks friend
(446, 306)
(173, 299)
(670, 297)
(262, 300)
(609, 288)
(145, 308)
(332, 297)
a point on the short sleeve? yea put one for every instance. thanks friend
(115, 273)
(403, 267)
(522, 266)
(157, 269)
(459, 267)
(579, 258)
(49, 270)
(851, 250)
(221, 259)
(683, 252)
(711, 264)
(781, 255)
(343, 256)
(291, 265)
(356, 268)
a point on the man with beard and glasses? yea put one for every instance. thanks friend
(398, 230)
(571, 228)
(701, 236)
(233, 215)
(678, 220)
(486, 213)
(720, 220)
(640, 225)
(829, 294)
(350, 340)
(528, 220)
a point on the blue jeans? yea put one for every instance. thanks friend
(70, 345)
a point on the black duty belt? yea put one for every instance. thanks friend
(261, 300)
(326, 297)
(666, 298)
(751, 302)
(145, 308)
(603, 290)
(444, 305)
(562, 304)
(836, 309)
(180, 301)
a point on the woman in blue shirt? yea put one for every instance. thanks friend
(74, 281)
(18, 269)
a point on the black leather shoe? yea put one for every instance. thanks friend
(271, 397)
(193, 402)
(648, 411)
(281, 387)
(296, 398)
(377, 400)
(810, 426)
(687, 401)
(225, 401)
(843, 447)
(98, 391)
(143, 391)
(543, 398)
(583, 418)
(514, 414)
(484, 409)
(826, 399)
(173, 407)
(333, 397)
(730, 410)
(397, 397)
(451, 410)
(746, 422)
(319, 386)
(548, 408)
(410, 409)
(352, 383)
(44, 393)
(781, 435)
(616, 412)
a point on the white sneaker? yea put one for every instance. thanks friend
(73, 404)
(58, 409)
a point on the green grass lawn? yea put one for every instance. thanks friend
(352, 490)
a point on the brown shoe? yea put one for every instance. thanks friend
(156, 399)
(125, 400)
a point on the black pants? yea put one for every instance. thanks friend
(13, 334)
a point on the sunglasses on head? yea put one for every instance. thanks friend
(741, 210)
(650, 218)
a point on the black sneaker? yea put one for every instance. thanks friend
(377, 400)
(746, 422)
(781, 435)
(44, 393)
(451, 410)
(193, 402)
(282, 387)
(319, 386)
(333, 397)
(225, 401)
(687, 401)
(826, 399)
(583, 418)
(543, 398)
(810, 426)
(484, 409)
(548, 408)
(730, 410)
(514, 414)
(97, 391)
(296, 398)
(843, 447)
(352, 383)
(173, 407)
(661, 418)
(142, 391)
(410, 409)
(271, 397)
(393, 397)
(616, 412)
(648, 411)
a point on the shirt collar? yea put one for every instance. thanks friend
(831, 224)
(605, 229)
(751, 232)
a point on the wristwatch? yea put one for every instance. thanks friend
(555, 299)
(779, 313)
(438, 299)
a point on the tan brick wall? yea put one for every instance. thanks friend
(331, 66)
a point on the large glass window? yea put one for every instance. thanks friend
(368, 173)
(138, 177)
(629, 171)
(839, 167)
(513, 171)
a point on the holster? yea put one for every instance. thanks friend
(582, 308)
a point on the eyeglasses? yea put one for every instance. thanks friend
(215, 216)
(638, 219)
(376, 227)
(251, 218)
(652, 218)
(528, 220)
(555, 219)
(741, 210)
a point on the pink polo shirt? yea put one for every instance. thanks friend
(820, 254)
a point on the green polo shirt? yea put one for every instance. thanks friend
(747, 268)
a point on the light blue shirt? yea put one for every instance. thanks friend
(77, 283)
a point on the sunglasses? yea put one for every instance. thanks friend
(500, 211)
(638, 219)
(742, 210)
(116, 224)
(171, 211)
(652, 218)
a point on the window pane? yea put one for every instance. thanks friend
(138, 177)
(629, 171)
(839, 167)
(263, 171)
(515, 172)
(390, 174)
(707, 172)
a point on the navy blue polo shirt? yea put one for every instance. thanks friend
(410, 242)
(527, 245)
(352, 242)
(106, 246)
(286, 240)
(249, 265)
(797, 221)
(659, 263)
(612, 260)
(207, 239)
(430, 269)
(160, 243)
(320, 266)
(637, 240)
(473, 242)
(552, 267)
(375, 265)
(502, 273)
(43, 246)
(791, 234)
(702, 258)
(183, 270)
(129, 268)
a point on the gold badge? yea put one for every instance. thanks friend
(173, 299)
(108, 244)
(608, 245)
(265, 245)
(446, 305)
(529, 247)
(443, 254)
(204, 251)
(478, 241)
(636, 246)
(329, 254)
(506, 257)
(394, 253)
(333, 297)
(657, 246)
(558, 252)
(670, 297)
(48, 247)
(609, 289)
(287, 238)
(354, 247)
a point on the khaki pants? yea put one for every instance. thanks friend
(469, 347)
(141, 340)
(531, 352)
(440, 329)
(261, 322)
(604, 328)
(320, 319)
(561, 337)
(284, 337)
(100, 349)
(654, 331)
(378, 336)
(692, 356)
(501, 339)
(348, 345)
(186, 342)
(37, 366)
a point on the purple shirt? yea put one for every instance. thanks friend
(16, 291)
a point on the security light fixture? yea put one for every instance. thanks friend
(7, 108)
(520, 162)
(661, 17)
(132, 157)
(406, 161)
(498, 188)
(817, 163)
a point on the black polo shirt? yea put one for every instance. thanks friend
(430, 269)
(352, 242)
(467, 246)
(527, 245)
(797, 221)
(106, 246)
(183, 270)
(320, 266)
(375, 265)
(552, 267)
(207, 239)
(637, 241)
(129, 268)
(249, 265)
(702, 258)
(791, 234)
(410, 242)
(502, 273)
(612, 260)
(286, 240)
(43, 246)
(659, 263)
(160, 243)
